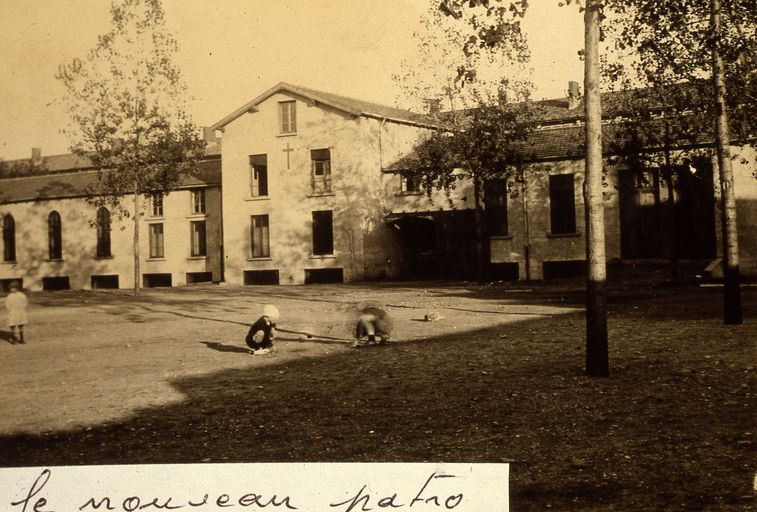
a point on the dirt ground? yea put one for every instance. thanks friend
(106, 378)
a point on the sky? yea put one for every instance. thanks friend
(234, 50)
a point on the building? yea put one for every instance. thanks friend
(304, 196)
(315, 190)
(311, 187)
(53, 238)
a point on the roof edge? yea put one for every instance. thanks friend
(281, 86)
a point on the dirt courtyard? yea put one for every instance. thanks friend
(106, 378)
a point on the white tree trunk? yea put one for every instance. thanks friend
(732, 288)
(597, 363)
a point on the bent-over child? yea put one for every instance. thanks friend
(262, 333)
(15, 304)
(373, 323)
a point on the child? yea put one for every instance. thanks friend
(263, 331)
(373, 322)
(15, 303)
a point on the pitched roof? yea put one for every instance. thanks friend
(349, 105)
(68, 162)
(568, 141)
(67, 185)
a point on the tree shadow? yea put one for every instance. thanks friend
(511, 392)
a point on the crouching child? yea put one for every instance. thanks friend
(262, 333)
(373, 326)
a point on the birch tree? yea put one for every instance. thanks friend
(713, 40)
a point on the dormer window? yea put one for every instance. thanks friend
(198, 202)
(409, 183)
(287, 117)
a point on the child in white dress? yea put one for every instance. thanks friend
(15, 304)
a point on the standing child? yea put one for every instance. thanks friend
(16, 303)
(263, 331)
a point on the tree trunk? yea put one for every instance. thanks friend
(597, 359)
(136, 243)
(732, 289)
(482, 238)
(672, 235)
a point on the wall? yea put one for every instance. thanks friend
(358, 146)
(532, 227)
(745, 182)
(79, 242)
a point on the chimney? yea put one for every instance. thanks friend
(433, 105)
(208, 134)
(574, 95)
(36, 155)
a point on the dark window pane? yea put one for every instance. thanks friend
(562, 204)
(103, 233)
(495, 202)
(9, 238)
(198, 238)
(323, 232)
(54, 236)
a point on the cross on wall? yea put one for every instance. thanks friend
(288, 150)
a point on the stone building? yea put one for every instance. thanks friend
(304, 196)
(53, 238)
(308, 187)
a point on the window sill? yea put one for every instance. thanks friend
(413, 193)
(322, 194)
(292, 134)
(54, 260)
(197, 257)
(197, 215)
(10, 262)
(322, 256)
(156, 259)
(564, 235)
(103, 257)
(260, 258)
(156, 218)
(258, 198)
(501, 237)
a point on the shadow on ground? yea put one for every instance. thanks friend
(670, 429)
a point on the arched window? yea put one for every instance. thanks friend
(54, 238)
(103, 233)
(9, 238)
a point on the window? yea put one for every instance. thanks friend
(198, 201)
(156, 241)
(156, 203)
(103, 233)
(198, 238)
(54, 238)
(260, 240)
(323, 233)
(287, 117)
(495, 202)
(9, 238)
(562, 204)
(258, 175)
(321, 170)
(409, 184)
